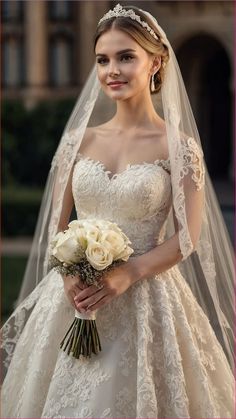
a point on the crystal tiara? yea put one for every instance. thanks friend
(118, 11)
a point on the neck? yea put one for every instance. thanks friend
(137, 112)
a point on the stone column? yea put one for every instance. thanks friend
(36, 42)
(88, 14)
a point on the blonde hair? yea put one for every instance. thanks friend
(141, 36)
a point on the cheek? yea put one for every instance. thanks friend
(101, 73)
(139, 70)
(140, 77)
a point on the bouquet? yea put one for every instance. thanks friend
(88, 248)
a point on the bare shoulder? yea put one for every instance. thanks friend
(88, 138)
(160, 141)
(91, 138)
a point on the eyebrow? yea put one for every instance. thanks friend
(118, 53)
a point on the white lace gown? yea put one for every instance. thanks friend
(160, 357)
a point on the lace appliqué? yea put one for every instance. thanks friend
(74, 381)
(187, 162)
(193, 160)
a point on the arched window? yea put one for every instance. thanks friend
(60, 10)
(60, 56)
(206, 71)
(11, 10)
(12, 62)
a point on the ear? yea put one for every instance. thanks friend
(156, 64)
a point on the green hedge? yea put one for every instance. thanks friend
(20, 209)
(29, 140)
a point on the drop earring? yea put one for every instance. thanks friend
(152, 84)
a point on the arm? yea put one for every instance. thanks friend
(167, 254)
(72, 285)
(67, 204)
(63, 159)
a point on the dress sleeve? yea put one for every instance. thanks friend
(193, 162)
(189, 204)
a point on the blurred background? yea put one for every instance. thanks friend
(47, 53)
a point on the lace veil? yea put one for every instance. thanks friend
(208, 265)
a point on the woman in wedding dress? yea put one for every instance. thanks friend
(160, 356)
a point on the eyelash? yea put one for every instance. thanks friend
(103, 61)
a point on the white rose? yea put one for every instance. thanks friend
(114, 240)
(92, 233)
(81, 237)
(67, 249)
(125, 254)
(54, 241)
(56, 238)
(100, 224)
(116, 228)
(73, 225)
(84, 230)
(92, 229)
(98, 255)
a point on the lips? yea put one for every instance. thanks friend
(116, 83)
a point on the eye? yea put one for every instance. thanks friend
(102, 60)
(126, 57)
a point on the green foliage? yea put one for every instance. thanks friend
(29, 140)
(20, 209)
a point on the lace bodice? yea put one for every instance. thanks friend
(138, 198)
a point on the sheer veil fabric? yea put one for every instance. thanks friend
(208, 266)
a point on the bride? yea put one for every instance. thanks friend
(165, 317)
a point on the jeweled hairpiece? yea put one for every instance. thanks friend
(118, 11)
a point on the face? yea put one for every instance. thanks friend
(123, 66)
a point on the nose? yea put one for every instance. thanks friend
(113, 69)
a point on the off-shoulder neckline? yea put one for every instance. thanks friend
(163, 163)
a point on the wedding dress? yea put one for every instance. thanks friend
(160, 357)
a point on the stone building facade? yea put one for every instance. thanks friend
(47, 54)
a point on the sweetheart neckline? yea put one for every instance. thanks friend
(128, 165)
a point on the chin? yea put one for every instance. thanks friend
(120, 95)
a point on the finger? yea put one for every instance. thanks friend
(79, 285)
(71, 300)
(82, 285)
(77, 294)
(98, 304)
(87, 292)
(73, 292)
(90, 300)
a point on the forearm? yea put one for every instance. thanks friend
(159, 259)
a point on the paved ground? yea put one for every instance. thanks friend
(17, 246)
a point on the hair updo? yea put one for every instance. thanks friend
(141, 36)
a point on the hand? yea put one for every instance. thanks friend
(73, 286)
(113, 284)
